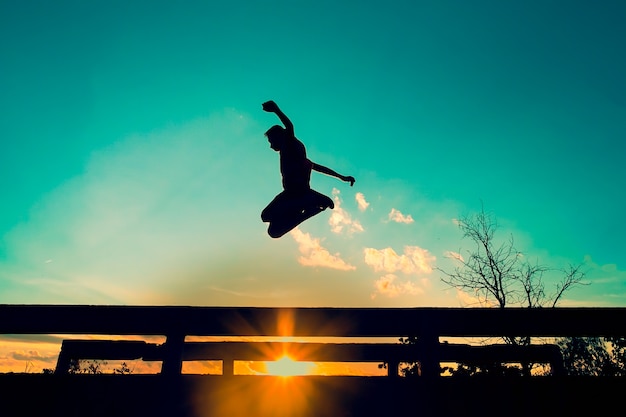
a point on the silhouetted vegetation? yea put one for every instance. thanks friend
(594, 356)
(95, 367)
(496, 274)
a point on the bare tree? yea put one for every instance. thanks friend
(499, 275)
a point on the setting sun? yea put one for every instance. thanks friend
(286, 366)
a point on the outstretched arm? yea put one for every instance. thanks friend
(271, 107)
(328, 171)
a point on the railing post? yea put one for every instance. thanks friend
(228, 366)
(173, 355)
(392, 368)
(63, 361)
(429, 346)
(556, 364)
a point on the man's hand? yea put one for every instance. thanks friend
(349, 179)
(270, 107)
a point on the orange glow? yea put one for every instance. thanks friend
(286, 323)
(286, 366)
(258, 395)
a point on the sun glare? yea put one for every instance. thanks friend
(286, 366)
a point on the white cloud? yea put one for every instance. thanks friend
(340, 220)
(388, 286)
(454, 255)
(415, 260)
(313, 254)
(362, 203)
(398, 217)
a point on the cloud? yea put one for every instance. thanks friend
(32, 355)
(313, 254)
(340, 220)
(248, 294)
(398, 217)
(388, 286)
(454, 255)
(362, 203)
(415, 260)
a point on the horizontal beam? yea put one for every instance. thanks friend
(311, 352)
(322, 322)
(228, 352)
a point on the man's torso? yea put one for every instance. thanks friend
(294, 166)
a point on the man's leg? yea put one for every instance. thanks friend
(282, 213)
(274, 209)
(289, 209)
(318, 200)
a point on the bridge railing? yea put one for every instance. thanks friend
(229, 352)
(429, 325)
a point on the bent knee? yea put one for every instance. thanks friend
(274, 235)
(276, 232)
(268, 214)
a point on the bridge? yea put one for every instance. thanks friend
(171, 393)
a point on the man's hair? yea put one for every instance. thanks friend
(275, 132)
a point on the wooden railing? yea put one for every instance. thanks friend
(229, 352)
(428, 324)
(173, 394)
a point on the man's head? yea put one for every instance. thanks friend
(276, 136)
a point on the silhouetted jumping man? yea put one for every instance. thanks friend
(297, 202)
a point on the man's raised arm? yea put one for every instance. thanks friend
(328, 171)
(271, 107)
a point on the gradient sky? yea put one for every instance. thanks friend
(134, 167)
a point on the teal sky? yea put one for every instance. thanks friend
(134, 167)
